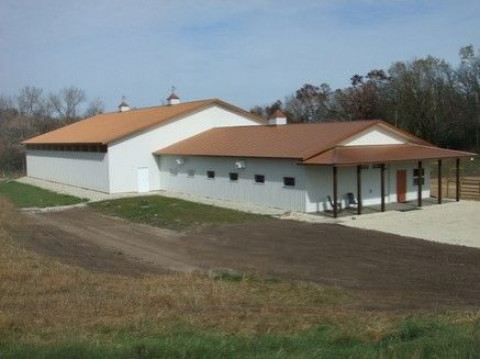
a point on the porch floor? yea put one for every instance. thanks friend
(399, 207)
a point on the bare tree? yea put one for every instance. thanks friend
(31, 102)
(95, 107)
(66, 102)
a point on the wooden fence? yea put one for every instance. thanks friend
(469, 188)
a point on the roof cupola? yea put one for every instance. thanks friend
(123, 106)
(173, 99)
(278, 118)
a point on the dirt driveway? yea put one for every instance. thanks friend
(386, 271)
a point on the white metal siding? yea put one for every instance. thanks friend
(273, 193)
(80, 169)
(126, 155)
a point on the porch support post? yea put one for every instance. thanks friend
(335, 210)
(359, 189)
(457, 170)
(439, 175)
(420, 178)
(382, 186)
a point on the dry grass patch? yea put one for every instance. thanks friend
(44, 300)
(48, 309)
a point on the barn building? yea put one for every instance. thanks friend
(214, 149)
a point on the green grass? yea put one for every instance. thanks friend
(173, 213)
(25, 196)
(412, 338)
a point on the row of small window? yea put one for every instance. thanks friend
(233, 176)
(69, 148)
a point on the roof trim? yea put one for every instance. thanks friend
(333, 157)
(370, 123)
(404, 133)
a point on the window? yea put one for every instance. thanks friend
(289, 181)
(259, 178)
(233, 176)
(173, 171)
(211, 174)
(191, 173)
(415, 176)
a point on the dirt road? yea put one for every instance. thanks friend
(386, 271)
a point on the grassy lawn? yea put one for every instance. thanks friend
(25, 196)
(172, 213)
(53, 310)
(411, 339)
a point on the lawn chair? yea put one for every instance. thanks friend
(351, 200)
(338, 204)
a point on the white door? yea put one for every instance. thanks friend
(371, 183)
(143, 183)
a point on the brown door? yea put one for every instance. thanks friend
(401, 186)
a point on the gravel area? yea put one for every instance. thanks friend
(65, 189)
(452, 223)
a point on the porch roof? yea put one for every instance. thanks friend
(357, 155)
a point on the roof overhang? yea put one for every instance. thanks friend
(359, 155)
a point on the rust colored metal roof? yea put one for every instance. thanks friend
(353, 155)
(109, 127)
(296, 141)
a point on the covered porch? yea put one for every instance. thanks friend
(362, 157)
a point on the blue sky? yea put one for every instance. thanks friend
(245, 52)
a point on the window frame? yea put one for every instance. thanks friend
(416, 176)
(210, 174)
(259, 179)
(292, 181)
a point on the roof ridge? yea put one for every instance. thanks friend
(150, 108)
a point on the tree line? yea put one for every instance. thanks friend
(427, 97)
(31, 112)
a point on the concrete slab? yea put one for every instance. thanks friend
(453, 223)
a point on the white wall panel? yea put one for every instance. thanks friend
(374, 136)
(80, 169)
(128, 154)
(273, 193)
